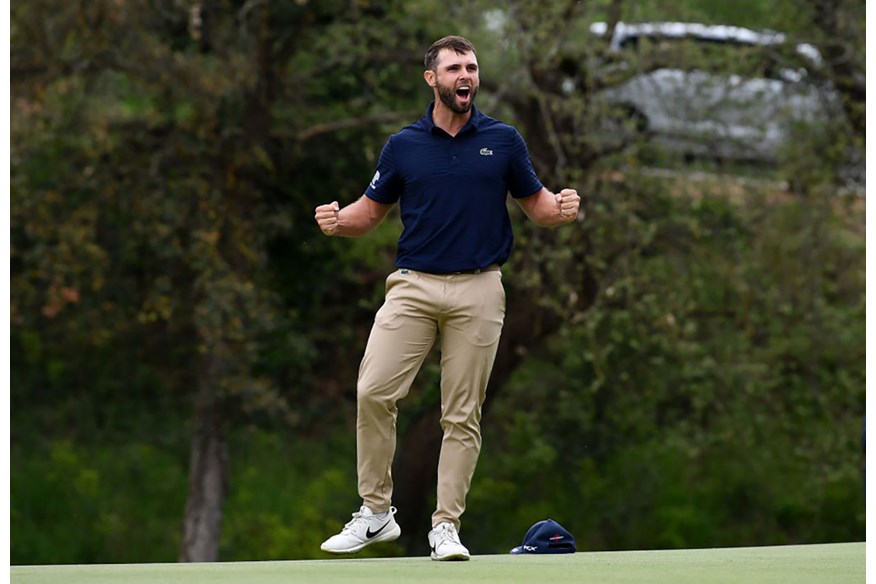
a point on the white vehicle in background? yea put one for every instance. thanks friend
(716, 115)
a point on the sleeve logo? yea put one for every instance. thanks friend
(375, 179)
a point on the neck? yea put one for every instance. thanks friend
(447, 119)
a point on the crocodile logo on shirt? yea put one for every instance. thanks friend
(486, 152)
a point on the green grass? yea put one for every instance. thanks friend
(818, 564)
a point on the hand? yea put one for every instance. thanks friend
(327, 217)
(568, 203)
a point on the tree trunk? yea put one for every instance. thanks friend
(846, 71)
(208, 482)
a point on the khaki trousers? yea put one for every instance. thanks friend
(465, 313)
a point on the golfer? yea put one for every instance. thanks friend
(450, 173)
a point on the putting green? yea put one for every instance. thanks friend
(816, 564)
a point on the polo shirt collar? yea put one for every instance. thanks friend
(471, 125)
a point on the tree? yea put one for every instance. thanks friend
(542, 51)
(160, 151)
(166, 160)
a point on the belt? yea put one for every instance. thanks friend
(490, 268)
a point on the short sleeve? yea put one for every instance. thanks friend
(386, 185)
(522, 179)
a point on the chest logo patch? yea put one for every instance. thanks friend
(486, 152)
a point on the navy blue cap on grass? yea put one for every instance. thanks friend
(546, 537)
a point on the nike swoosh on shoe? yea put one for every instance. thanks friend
(369, 534)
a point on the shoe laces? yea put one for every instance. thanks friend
(446, 532)
(358, 517)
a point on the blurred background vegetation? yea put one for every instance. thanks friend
(684, 368)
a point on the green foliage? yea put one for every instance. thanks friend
(94, 501)
(90, 503)
(164, 171)
(788, 16)
(698, 402)
(286, 513)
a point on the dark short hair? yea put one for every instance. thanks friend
(456, 43)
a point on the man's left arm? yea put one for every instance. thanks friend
(548, 209)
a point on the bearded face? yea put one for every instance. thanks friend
(455, 79)
(458, 97)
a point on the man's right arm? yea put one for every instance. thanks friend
(354, 220)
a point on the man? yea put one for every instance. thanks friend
(450, 172)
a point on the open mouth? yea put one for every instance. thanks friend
(463, 92)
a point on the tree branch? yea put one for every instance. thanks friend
(347, 123)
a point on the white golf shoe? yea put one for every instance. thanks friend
(445, 544)
(364, 529)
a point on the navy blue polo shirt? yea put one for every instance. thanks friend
(452, 191)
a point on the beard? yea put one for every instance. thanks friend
(448, 98)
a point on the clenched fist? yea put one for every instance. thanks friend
(327, 217)
(568, 203)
